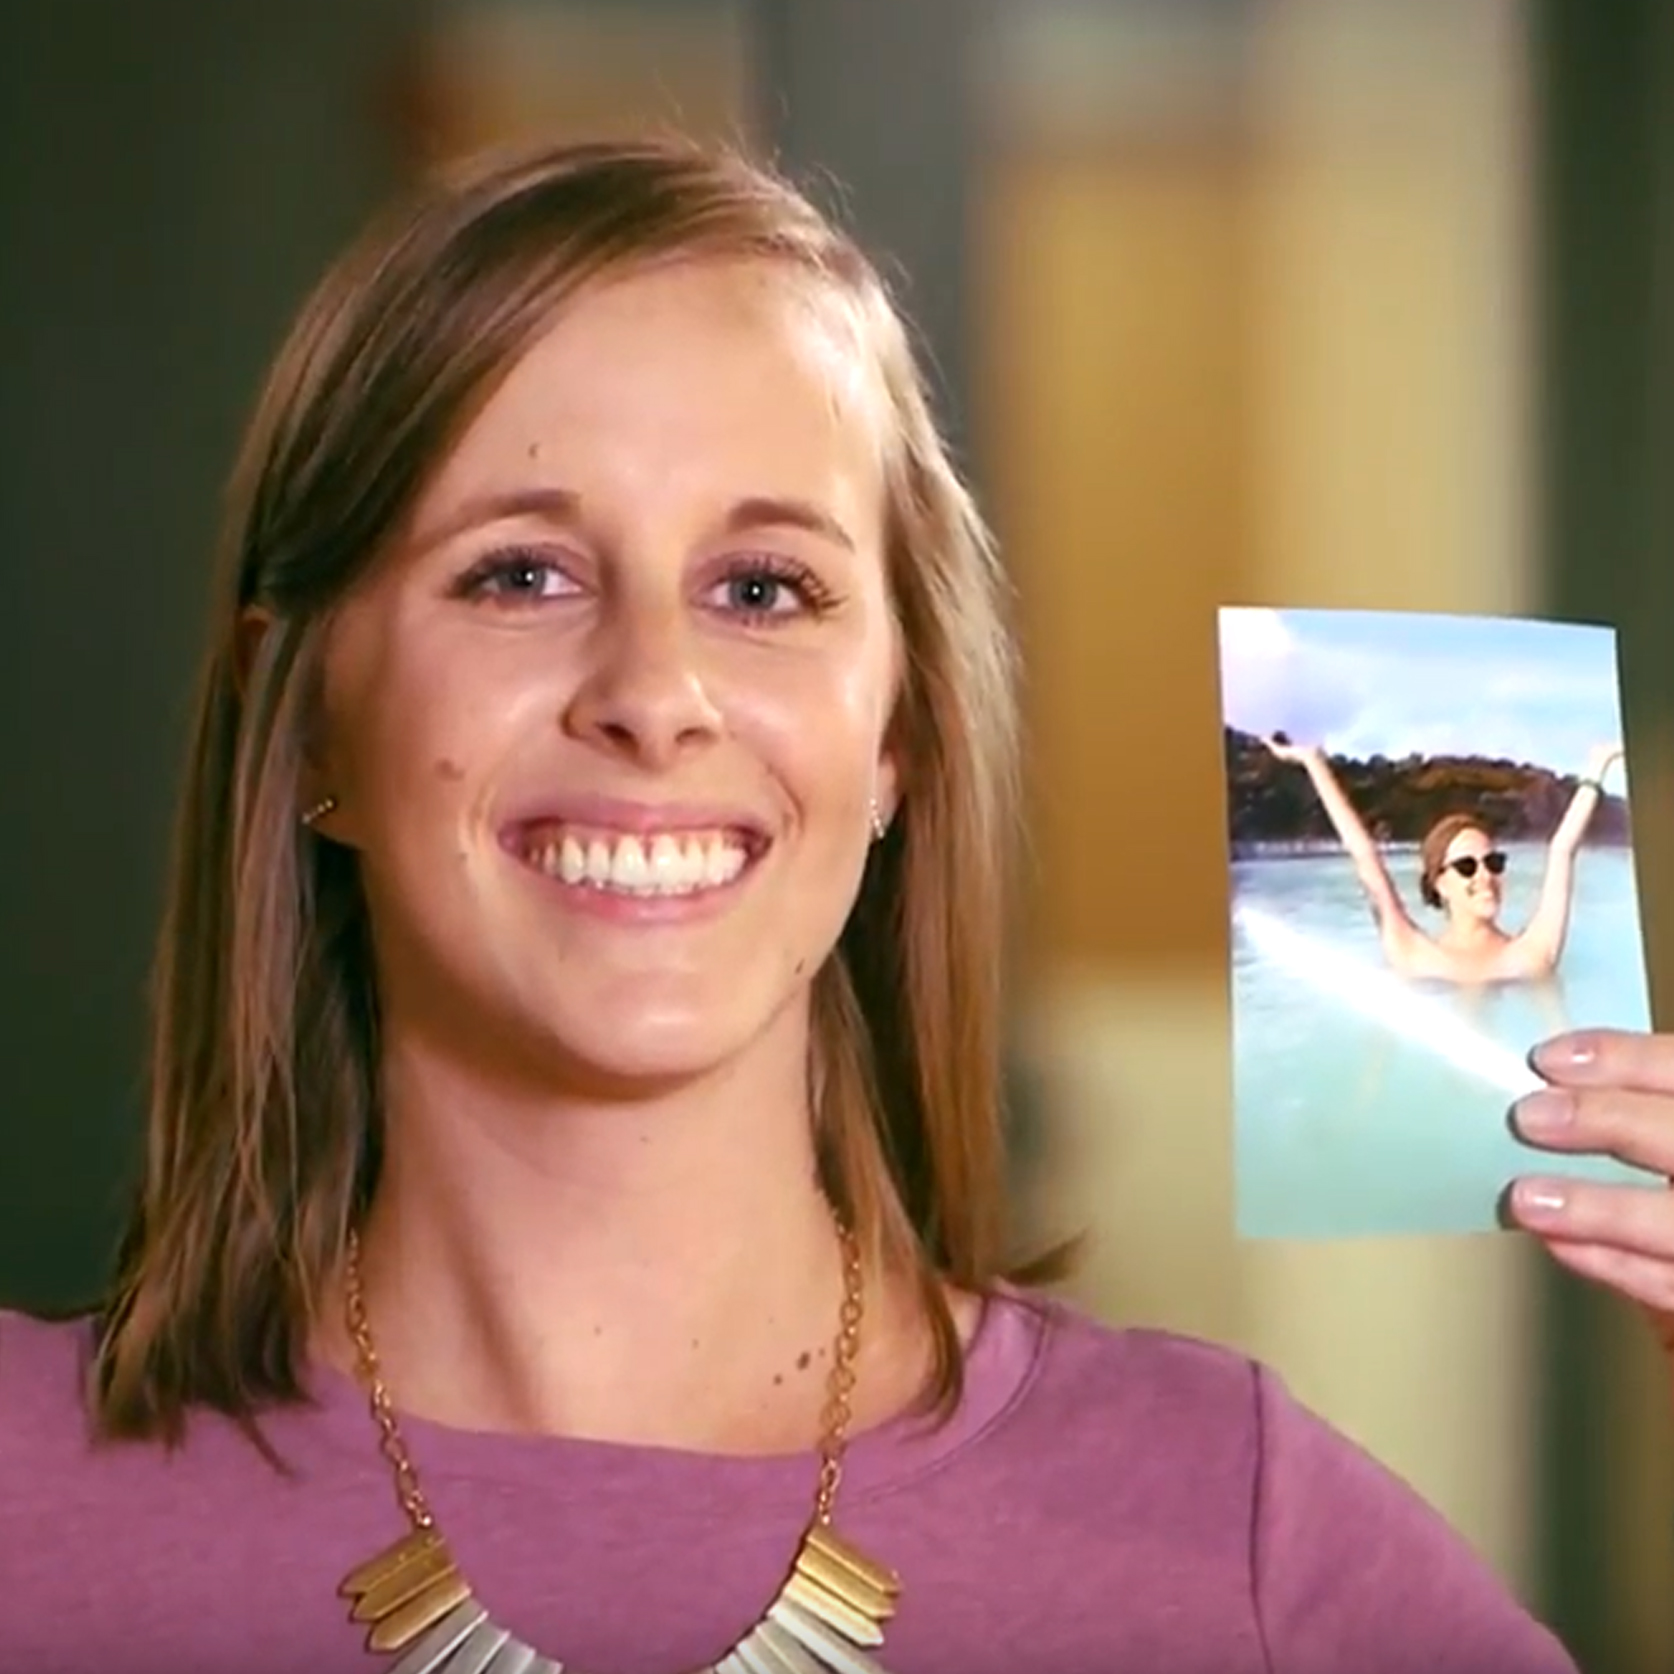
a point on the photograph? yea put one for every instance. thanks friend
(1431, 870)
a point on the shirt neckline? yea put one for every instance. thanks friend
(1001, 1361)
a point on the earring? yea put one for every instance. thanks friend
(876, 816)
(312, 816)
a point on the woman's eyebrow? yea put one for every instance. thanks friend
(771, 511)
(555, 505)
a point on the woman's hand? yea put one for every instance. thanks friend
(1602, 759)
(1283, 750)
(1609, 1093)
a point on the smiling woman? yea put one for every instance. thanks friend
(574, 1151)
(653, 635)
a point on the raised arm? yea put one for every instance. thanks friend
(1549, 927)
(1387, 907)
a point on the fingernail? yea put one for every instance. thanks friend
(1539, 1198)
(1505, 1214)
(1543, 1113)
(1564, 1052)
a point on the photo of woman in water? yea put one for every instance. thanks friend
(1460, 876)
(1374, 1054)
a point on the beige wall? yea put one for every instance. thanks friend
(1113, 404)
(500, 71)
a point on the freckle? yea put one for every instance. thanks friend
(694, 1342)
(446, 769)
(598, 1330)
(534, 450)
(802, 1361)
(778, 1378)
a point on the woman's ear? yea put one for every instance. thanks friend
(254, 625)
(887, 786)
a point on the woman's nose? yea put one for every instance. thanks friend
(644, 695)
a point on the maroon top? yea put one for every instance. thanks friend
(1102, 1501)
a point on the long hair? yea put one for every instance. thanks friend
(264, 1125)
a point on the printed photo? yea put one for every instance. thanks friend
(1432, 869)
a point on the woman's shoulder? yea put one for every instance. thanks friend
(44, 1368)
(1103, 1393)
(1209, 1448)
(1086, 1366)
(1123, 1407)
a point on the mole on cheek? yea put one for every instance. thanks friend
(451, 770)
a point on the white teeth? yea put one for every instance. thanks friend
(630, 869)
(665, 864)
(721, 863)
(572, 861)
(598, 861)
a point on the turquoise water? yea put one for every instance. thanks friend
(1345, 1127)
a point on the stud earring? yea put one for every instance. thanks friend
(879, 824)
(312, 816)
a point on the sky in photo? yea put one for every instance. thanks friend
(1392, 683)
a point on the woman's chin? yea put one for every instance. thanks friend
(643, 1056)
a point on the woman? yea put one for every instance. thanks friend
(570, 1231)
(1460, 869)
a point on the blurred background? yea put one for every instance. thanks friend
(1305, 302)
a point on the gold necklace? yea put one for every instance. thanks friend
(825, 1618)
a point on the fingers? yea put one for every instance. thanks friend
(1629, 1220)
(1636, 1128)
(1609, 1092)
(1608, 1058)
(1641, 1278)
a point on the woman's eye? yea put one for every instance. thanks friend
(517, 577)
(756, 591)
(758, 594)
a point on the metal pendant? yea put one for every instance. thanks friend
(826, 1619)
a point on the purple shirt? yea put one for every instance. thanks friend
(1103, 1502)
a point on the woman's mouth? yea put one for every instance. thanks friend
(650, 864)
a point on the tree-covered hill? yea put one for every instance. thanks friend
(1273, 802)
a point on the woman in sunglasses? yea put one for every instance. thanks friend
(1461, 874)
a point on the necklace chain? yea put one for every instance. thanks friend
(836, 1417)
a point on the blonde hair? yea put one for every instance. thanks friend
(264, 1132)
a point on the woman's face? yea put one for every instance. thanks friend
(1478, 896)
(606, 726)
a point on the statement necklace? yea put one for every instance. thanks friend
(825, 1619)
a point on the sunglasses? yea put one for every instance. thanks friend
(1466, 864)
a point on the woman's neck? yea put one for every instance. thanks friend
(663, 1273)
(1473, 935)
